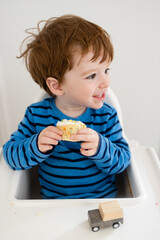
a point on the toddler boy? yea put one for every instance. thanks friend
(69, 58)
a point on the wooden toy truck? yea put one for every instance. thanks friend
(109, 214)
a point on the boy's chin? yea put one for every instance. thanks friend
(98, 106)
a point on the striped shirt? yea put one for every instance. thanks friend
(64, 172)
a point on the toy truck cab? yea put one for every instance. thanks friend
(109, 214)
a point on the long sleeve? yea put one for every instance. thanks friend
(21, 151)
(113, 154)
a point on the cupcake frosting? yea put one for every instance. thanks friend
(69, 122)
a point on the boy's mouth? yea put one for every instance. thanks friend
(99, 96)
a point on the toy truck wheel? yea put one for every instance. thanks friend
(116, 225)
(95, 229)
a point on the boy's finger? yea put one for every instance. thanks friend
(84, 136)
(54, 135)
(48, 141)
(45, 148)
(81, 137)
(89, 152)
(55, 130)
(87, 145)
(85, 131)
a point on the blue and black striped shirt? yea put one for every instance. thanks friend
(64, 172)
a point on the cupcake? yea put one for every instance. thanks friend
(69, 127)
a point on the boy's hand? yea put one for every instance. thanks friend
(49, 137)
(90, 140)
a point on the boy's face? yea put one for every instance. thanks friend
(86, 83)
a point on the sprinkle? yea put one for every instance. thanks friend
(156, 203)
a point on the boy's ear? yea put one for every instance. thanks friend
(54, 86)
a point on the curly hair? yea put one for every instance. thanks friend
(49, 51)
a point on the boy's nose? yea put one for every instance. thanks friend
(105, 81)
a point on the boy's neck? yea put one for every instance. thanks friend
(71, 111)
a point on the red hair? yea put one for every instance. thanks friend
(49, 52)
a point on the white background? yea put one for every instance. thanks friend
(135, 72)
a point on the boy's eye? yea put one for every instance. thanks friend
(106, 71)
(92, 76)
